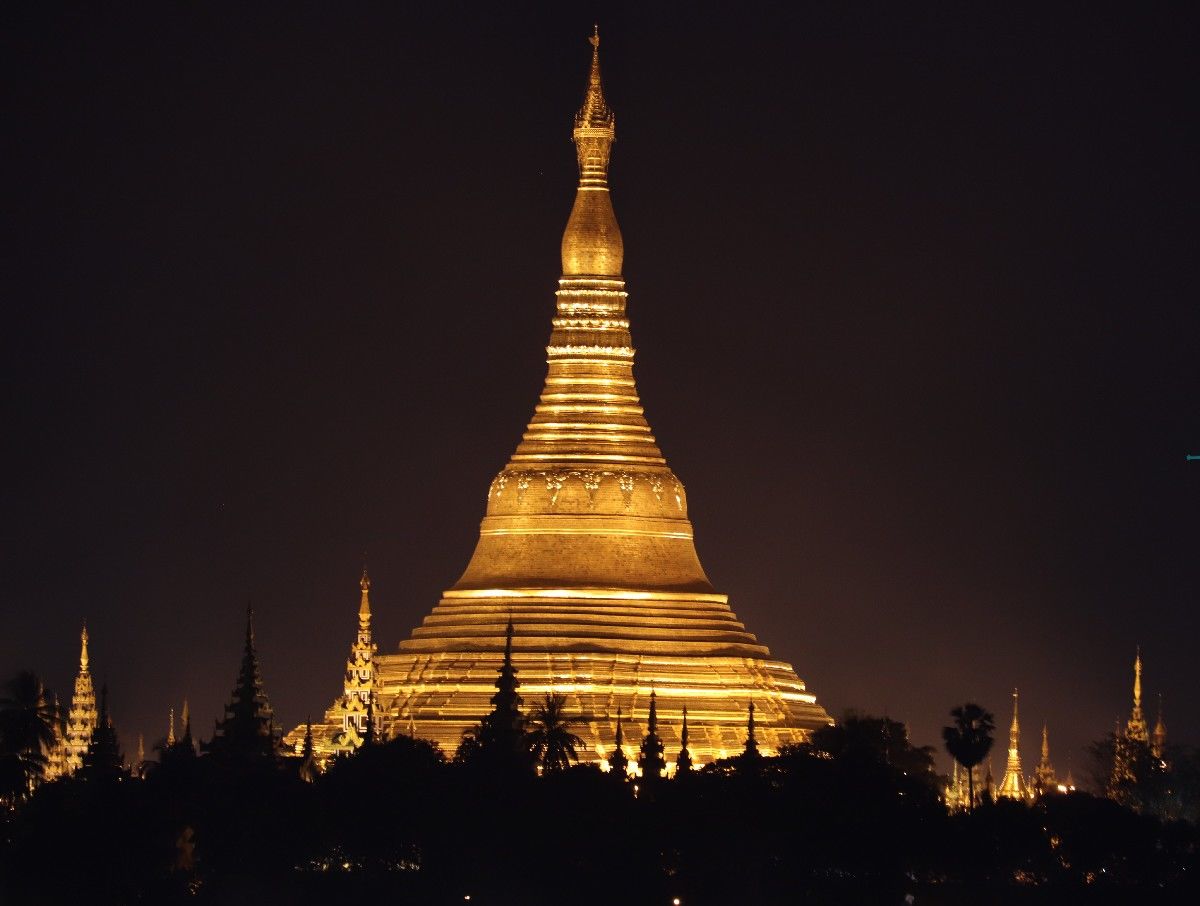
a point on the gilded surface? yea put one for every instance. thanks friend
(587, 546)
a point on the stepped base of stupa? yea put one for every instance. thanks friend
(603, 651)
(438, 695)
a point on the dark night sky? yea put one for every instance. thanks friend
(912, 288)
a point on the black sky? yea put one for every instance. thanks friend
(913, 290)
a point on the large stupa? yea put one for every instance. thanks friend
(586, 546)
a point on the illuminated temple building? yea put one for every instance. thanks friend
(586, 545)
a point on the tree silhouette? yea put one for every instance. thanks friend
(651, 759)
(618, 762)
(103, 758)
(29, 728)
(247, 732)
(548, 734)
(968, 740)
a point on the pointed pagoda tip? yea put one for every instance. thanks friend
(83, 647)
(594, 39)
(364, 604)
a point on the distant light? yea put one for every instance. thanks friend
(675, 902)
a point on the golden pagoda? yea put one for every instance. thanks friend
(586, 546)
(1012, 784)
(1135, 727)
(82, 718)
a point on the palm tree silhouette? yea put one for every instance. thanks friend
(968, 740)
(29, 727)
(548, 734)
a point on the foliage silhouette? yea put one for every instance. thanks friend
(548, 734)
(968, 740)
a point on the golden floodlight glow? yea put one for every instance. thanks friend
(586, 546)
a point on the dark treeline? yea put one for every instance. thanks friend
(854, 817)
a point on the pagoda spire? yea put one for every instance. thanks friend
(1045, 778)
(171, 726)
(81, 719)
(618, 763)
(651, 760)
(683, 761)
(503, 729)
(595, 125)
(1012, 784)
(751, 750)
(140, 763)
(1135, 728)
(359, 681)
(186, 724)
(592, 243)
(364, 602)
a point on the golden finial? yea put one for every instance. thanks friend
(83, 652)
(171, 727)
(592, 242)
(1137, 678)
(364, 604)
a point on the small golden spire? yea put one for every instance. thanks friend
(171, 727)
(83, 652)
(1137, 678)
(1045, 741)
(1135, 728)
(364, 604)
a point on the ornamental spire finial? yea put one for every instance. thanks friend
(595, 125)
(592, 244)
(1137, 678)
(1015, 731)
(1135, 728)
(83, 652)
(364, 604)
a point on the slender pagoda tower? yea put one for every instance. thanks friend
(82, 718)
(343, 727)
(587, 546)
(1012, 784)
(1135, 727)
(1044, 777)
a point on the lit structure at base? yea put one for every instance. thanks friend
(587, 547)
